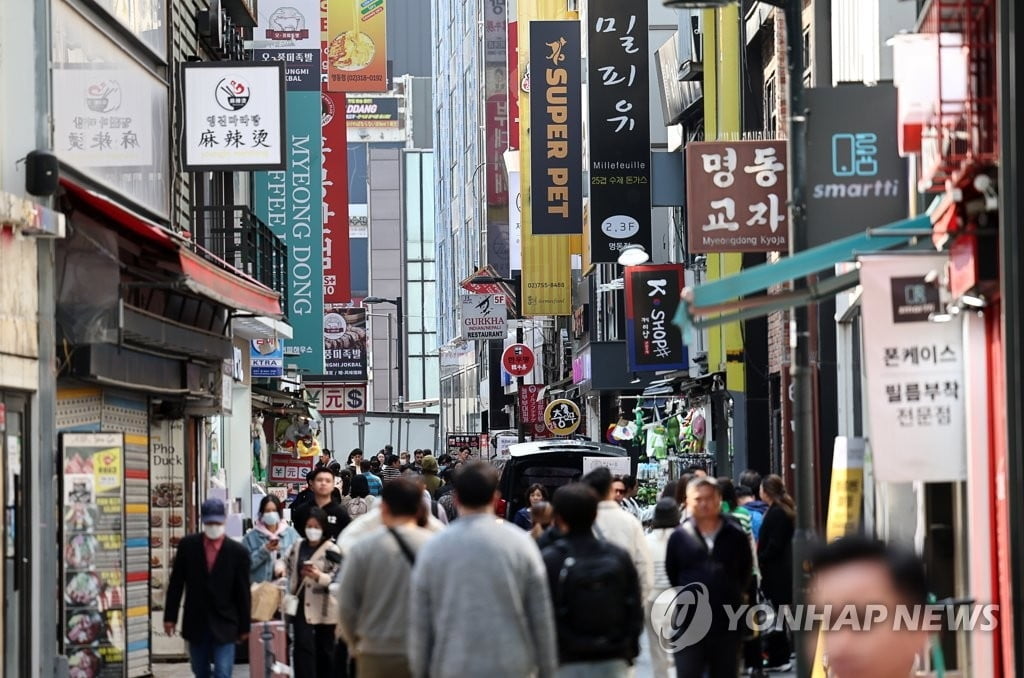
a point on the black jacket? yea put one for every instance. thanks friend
(216, 602)
(618, 622)
(775, 555)
(725, 571)
(337, 518)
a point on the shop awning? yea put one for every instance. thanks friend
(728, 300)
(227, 286)
(202, 272)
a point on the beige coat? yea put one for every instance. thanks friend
(320, 606)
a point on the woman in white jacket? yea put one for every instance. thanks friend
(666, 520)
(312, 564)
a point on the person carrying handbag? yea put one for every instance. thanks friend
(309, 607)
(373, 587)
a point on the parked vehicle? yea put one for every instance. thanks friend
(552, 463)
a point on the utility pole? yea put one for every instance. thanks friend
(799, 333)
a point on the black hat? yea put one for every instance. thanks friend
(666, 513)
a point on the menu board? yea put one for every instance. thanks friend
(167, 524)
(93, 541)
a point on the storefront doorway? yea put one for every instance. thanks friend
(14, 453)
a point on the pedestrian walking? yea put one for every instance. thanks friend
(326, 498)
(212, 572)
(596, 592)
(712, 552)
(312, 565)
(745, 497)
(355, 461)
(535, 494)
(268, 542)
(480, 601)
(666, 520)
(430, 471)
(543, 516)
(620, 528)
(371, 469)
(860, 573)
(775, 557)
(361, 501)
(374, 585)
(628, 501)
(753, 658)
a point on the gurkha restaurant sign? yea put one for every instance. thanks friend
(234, 116)
(556, 118)
(736, 195)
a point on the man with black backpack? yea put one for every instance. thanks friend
(595, 591)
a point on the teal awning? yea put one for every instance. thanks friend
(722, 301)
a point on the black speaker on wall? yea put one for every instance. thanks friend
(41, 173)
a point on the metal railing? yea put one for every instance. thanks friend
(238, 237)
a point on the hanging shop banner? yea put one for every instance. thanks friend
(515, 217)
(291, 203)
(556, 122)
(301, 67)
(562, 417)
(914, 370)
(357, 49)
(546, 260)
(518, 360)
(289, 24)
(345, 341)
(337, 282)
(372, 112)
(531, 409)
(93, 620)
(736, 196)
(484, 316)
(620, 130)
(335, 399)
(653, 341)
(476, 442)
(234, 116)
(101, 121)
(859, 179)
(285, 468)
(512, 55)
(266, 358)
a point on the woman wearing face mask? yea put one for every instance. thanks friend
(312, 564)
(269, 541)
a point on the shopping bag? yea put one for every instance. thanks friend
(266, 600)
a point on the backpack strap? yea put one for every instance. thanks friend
(408, 552)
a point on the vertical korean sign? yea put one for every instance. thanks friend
(93, 622)
(620, 128)
(546, 260)
(556, 121)
(915, 372)
(736, 194)
(288, 200)
(334, 126)
(357, 46)
(653, 341)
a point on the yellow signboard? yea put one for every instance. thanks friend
(357, 49)
(547, 259)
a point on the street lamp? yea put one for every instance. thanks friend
(399, 342)
(517, 288)
(803, 407)
(633, 255)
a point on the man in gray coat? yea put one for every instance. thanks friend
(480, 602)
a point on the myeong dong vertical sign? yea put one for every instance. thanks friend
(291, 203)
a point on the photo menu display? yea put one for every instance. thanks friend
(93, 541)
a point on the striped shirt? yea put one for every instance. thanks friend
(389, 473)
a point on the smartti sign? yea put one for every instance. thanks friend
(857, 178)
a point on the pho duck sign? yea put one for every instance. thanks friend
(653, 342)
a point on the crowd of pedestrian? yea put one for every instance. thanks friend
(402, 568)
